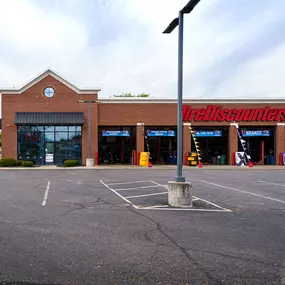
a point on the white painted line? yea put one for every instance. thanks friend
(137, 188)
(194, 198)
(272, 183)
(146, 195)
(46, 194)
(122, 197)
(129, 182)
(215, 205)
(245, 192)
(181, 209)
(165, 186)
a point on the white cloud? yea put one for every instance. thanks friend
(118, 45)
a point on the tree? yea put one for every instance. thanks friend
(142, 95)
(0, 140)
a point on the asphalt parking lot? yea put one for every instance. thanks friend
(115, 227)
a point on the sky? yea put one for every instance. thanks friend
(232, 48)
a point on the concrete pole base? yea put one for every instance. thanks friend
(180, 194)
(89, 162)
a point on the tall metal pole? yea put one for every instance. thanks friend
(179, 177)
(89, 129)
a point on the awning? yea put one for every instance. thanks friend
(50, 118)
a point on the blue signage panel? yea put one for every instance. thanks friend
(115, 133)
(214, 133)
(255, 133)
(152, 133)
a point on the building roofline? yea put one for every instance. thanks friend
(127, 100)
(41, 77)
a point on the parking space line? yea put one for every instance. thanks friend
(146, 195)
(215, 205)
(242, 191)
(137, 188)
(194, 198)
(130, 182)
(168, 208)
(272, 183)
(122, 197)
(46, 194)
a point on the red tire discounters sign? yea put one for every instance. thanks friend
(220, 114)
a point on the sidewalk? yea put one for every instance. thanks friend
(155, 167)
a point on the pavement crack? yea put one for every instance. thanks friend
(180, 248)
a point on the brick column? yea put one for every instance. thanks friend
(233, 142)
(140, 139)
(279, 141)
(94, 130)
(186, 139)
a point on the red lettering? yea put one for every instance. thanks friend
(185, 113)
(231, 115)
(271, 116)
(223, 114)
(249, 114)
(217, 113)
(200, 115)
(258, 114)
(240, 115)
(265, 113)
(210, 112)
(281, 115)
(192, 114)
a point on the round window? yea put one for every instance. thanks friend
(49, 92)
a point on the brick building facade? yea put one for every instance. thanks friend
(137, 115)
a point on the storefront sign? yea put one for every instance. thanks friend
(151, 133)
(115, 133)
(220, 114)
(207, 133)
(255, 133)
(49, 157)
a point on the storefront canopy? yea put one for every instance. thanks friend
(49, 118)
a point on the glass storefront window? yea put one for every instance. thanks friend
(49, 136)
(49, 128)
(61, 128)
(34, 142)
(61, 136)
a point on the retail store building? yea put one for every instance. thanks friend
(43, 122)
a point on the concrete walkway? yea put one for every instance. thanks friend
(156, 167)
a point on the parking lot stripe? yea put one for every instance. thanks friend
(242, 191)
(215, 205)
(46, 194)
(164, 208)
(130, 182)
(114, 191)
(137, 188)
(272, 183)
(146, 195)
(194, 198)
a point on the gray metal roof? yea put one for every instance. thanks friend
(49, 118)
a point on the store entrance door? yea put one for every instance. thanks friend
(162, 145)
(49, 153)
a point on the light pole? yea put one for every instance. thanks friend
(179, 22)
(89, 161)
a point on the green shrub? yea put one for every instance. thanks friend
(7, 162)
(70, 163)
(25, 163)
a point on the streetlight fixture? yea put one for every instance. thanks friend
(179, 22)
(89, 161)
